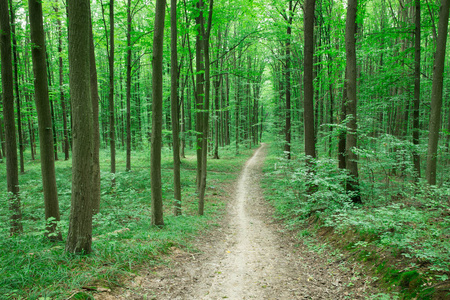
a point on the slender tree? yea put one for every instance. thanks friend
(128, 92)
(16, 87)
(308, 115)
(415, 132)
(287, 65)
(12, 175)
(112, 125)
(351, 139)
(44, 118)
(174, 107)
(205, 108)
(157, 97)
(95, 123)
(436, 92)
(61, 85)
(79, 239)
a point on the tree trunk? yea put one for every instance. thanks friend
(343, 133)
(416, 124)
(157, 97)
(287, 145)
(79, 239)
(16, 86)
(436, 93)
(350, 47)
(199, 91)
(44, 119)
(308, 115)
(112, 130)
(96, 194)
(205, 117)
(174, 108)
(129, 20)
(61, 84)
(12, 176)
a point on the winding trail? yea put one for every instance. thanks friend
(251, 257)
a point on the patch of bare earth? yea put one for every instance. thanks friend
(250, 256)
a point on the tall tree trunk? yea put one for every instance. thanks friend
(174, 108)
(199, 90)
(128, 130)
(308, 115)
(16, 86)
(12, 174)
(436, 92)
(44, 119)
(343, 133)
(79, 239)
(351, 142)
(416, 124)
(217, 82)
(112, 130)
(157, 96)
(287, 145)
(95, 123)
(205, 117)
(61, 85)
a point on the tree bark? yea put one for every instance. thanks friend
(16, 87)
(174, 108)
(308, 115)
(96, 194)
(436, 93)
(415, 131)
(44, 118)
(287, 145)
(112, 130)
(205, 117)
(199, 91)
(61, 89)
(129, 20)
(12, 175)
(351, 139)
(157, 96)
(79, 240)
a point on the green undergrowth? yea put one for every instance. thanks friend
(124, 241)
(402, 235)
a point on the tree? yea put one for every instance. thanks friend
(44, 118)
(95, 123)
(288, 17)
(174, 107)
(205, 107)
(415, 134)
(436, 92)
(12, 176)
(16, 87)
(61, 85)
(157, 96)
(310, 140)
(79, 238)
(351, 139)
(128, 92)
(112, 125)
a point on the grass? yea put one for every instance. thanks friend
(124, 241)
(401, 232)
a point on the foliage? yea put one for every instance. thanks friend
(409, 222)
(124, 241)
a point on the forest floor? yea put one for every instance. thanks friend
(249, 256)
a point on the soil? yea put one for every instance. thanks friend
(250, 256)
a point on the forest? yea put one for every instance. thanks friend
(123, 121)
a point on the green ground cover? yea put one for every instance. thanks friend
(124, 241)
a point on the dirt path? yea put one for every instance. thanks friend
(251, 257)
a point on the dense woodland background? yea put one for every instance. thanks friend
(353, 94)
